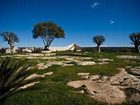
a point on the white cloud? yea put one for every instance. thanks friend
(95, 4)
(111, 22)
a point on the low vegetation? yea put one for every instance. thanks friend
(53, 90)
(13, 76)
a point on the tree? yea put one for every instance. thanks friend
(135, 38)
(47, 31)
(99, 39)
(13, 75)
(10, 37)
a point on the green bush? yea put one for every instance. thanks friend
(13, 76)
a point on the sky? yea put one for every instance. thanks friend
(80, 19)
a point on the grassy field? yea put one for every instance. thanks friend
(53, 90)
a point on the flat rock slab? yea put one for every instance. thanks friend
(128, 57)
(84, 75)
(84, 63)
(109, 89)
(101, 91)
(105, 60)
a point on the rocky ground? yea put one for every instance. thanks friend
(117, 89)
(111, 89)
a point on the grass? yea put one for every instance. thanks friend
(51, 93)
(53, 90)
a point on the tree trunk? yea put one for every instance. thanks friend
(98, 48)
(46, 48)
(11, 47)
(136, 47)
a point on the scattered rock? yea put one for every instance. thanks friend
(41, 66)
(26, 50)
(105, 60)
(29, 85)
(76, 84)
(104, 78)
(128, 57)
(102, 63)
(14, 50)
(94, 77)
(84, 63)
(39, 76)
(84, 75)
(48, 74)
(33, 76)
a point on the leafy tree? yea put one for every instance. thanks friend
(99, 39)
(10, 37)
(13, 75)
(135, 38)
(47, 31)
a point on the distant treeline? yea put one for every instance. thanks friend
(84, 49)
(109, 49)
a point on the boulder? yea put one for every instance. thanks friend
(14, 50)
(7, 51)
(26, 50)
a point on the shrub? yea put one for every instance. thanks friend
(37, 50)
(13, 76)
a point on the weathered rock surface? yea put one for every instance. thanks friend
(109, 89)
(135, 99)
(101, 91)
(94, 77)
(134, 71)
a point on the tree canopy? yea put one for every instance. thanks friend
(99, 39)
(47, 31)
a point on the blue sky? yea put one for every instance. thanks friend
(81, 20)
